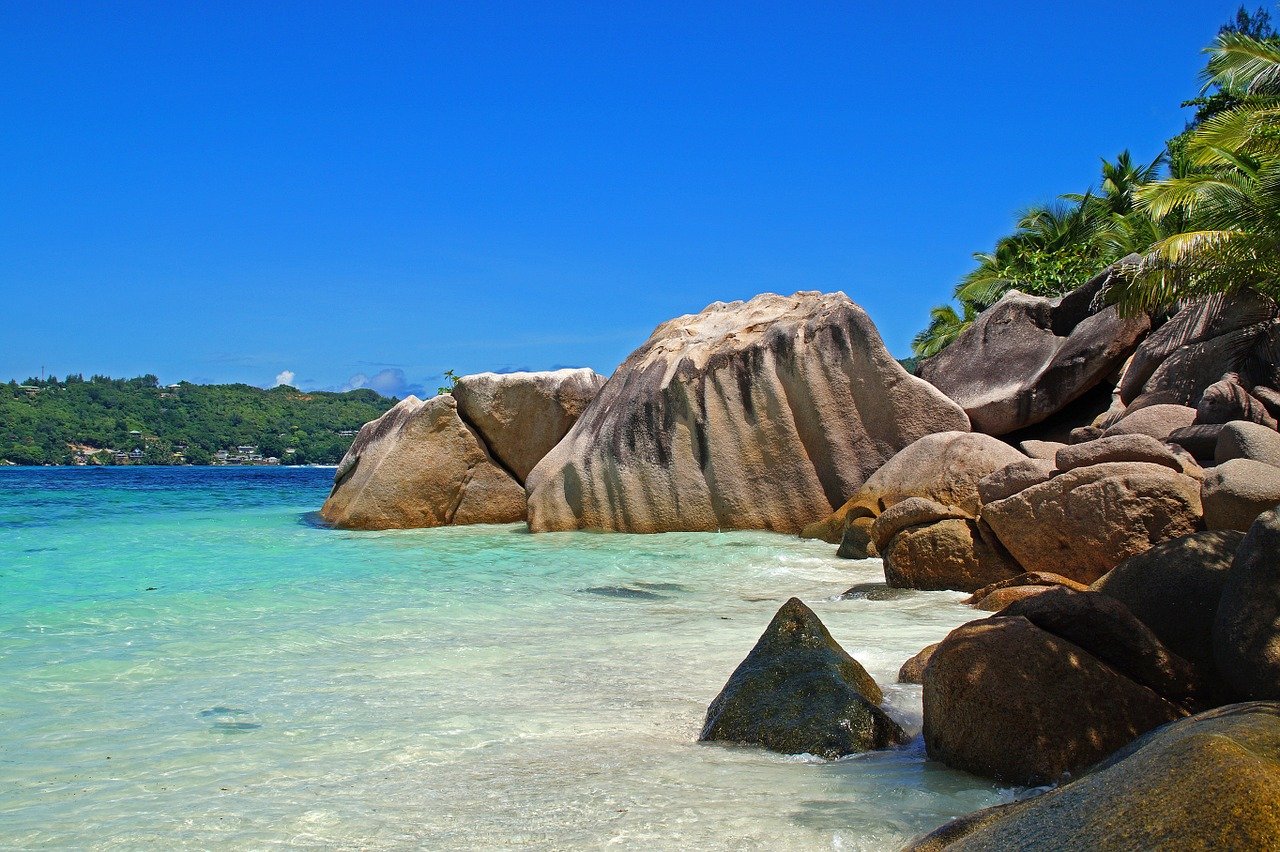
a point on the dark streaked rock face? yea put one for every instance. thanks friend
(1007, 700)
(1026, 358)
(1226, 400)
(1210, 781)
(799, 692)
(763, 414)
(1246, 632)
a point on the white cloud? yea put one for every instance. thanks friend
(285, 377)
(388, 382)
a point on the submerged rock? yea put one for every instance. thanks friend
(420, 465)
(763, 414)
(799, 692)
(1210, 781)
(912, 671)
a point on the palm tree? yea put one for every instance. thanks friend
(945, 325)
(1227, 202)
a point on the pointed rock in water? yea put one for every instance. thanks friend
(763, 414)
(799, 692)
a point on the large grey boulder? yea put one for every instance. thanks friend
(420, 465)
(1209, 781)
(1174, 588)
(764, 414)
(1237, 491)
(799, 692)
(1158, 421)
(521, 416)
(1084, 522)
(1253, 441)
(1246, 634)
(1026, 358)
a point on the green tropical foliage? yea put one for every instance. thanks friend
(1204, 216)
(1227, 201)
(44, 421)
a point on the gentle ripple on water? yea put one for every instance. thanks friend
(187, 661)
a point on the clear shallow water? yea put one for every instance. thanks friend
(187, 661)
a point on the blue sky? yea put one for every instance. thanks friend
(374, 193)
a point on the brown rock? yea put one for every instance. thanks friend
(521, 416)
(911, 512)
(419, 465)
(1209, 781)
(1046, 450)
(752, 415)
(1084, 434)
(1156, 421)
(1246, 632)
(1011, 479)
(1028, 578)
(1084, 522)
(1174, 588)
(949, 554)
(856, 541)
(1200, 441)
(1050, 352)
(1000, 598)
(1237, 491)
(944, 467)
(1117, 448)
(1007, 700)
(912, 670)
(1105, 628)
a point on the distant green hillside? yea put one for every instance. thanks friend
(78, 420)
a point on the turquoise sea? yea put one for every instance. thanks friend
(188, 660)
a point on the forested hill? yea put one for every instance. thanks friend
(116, 421)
